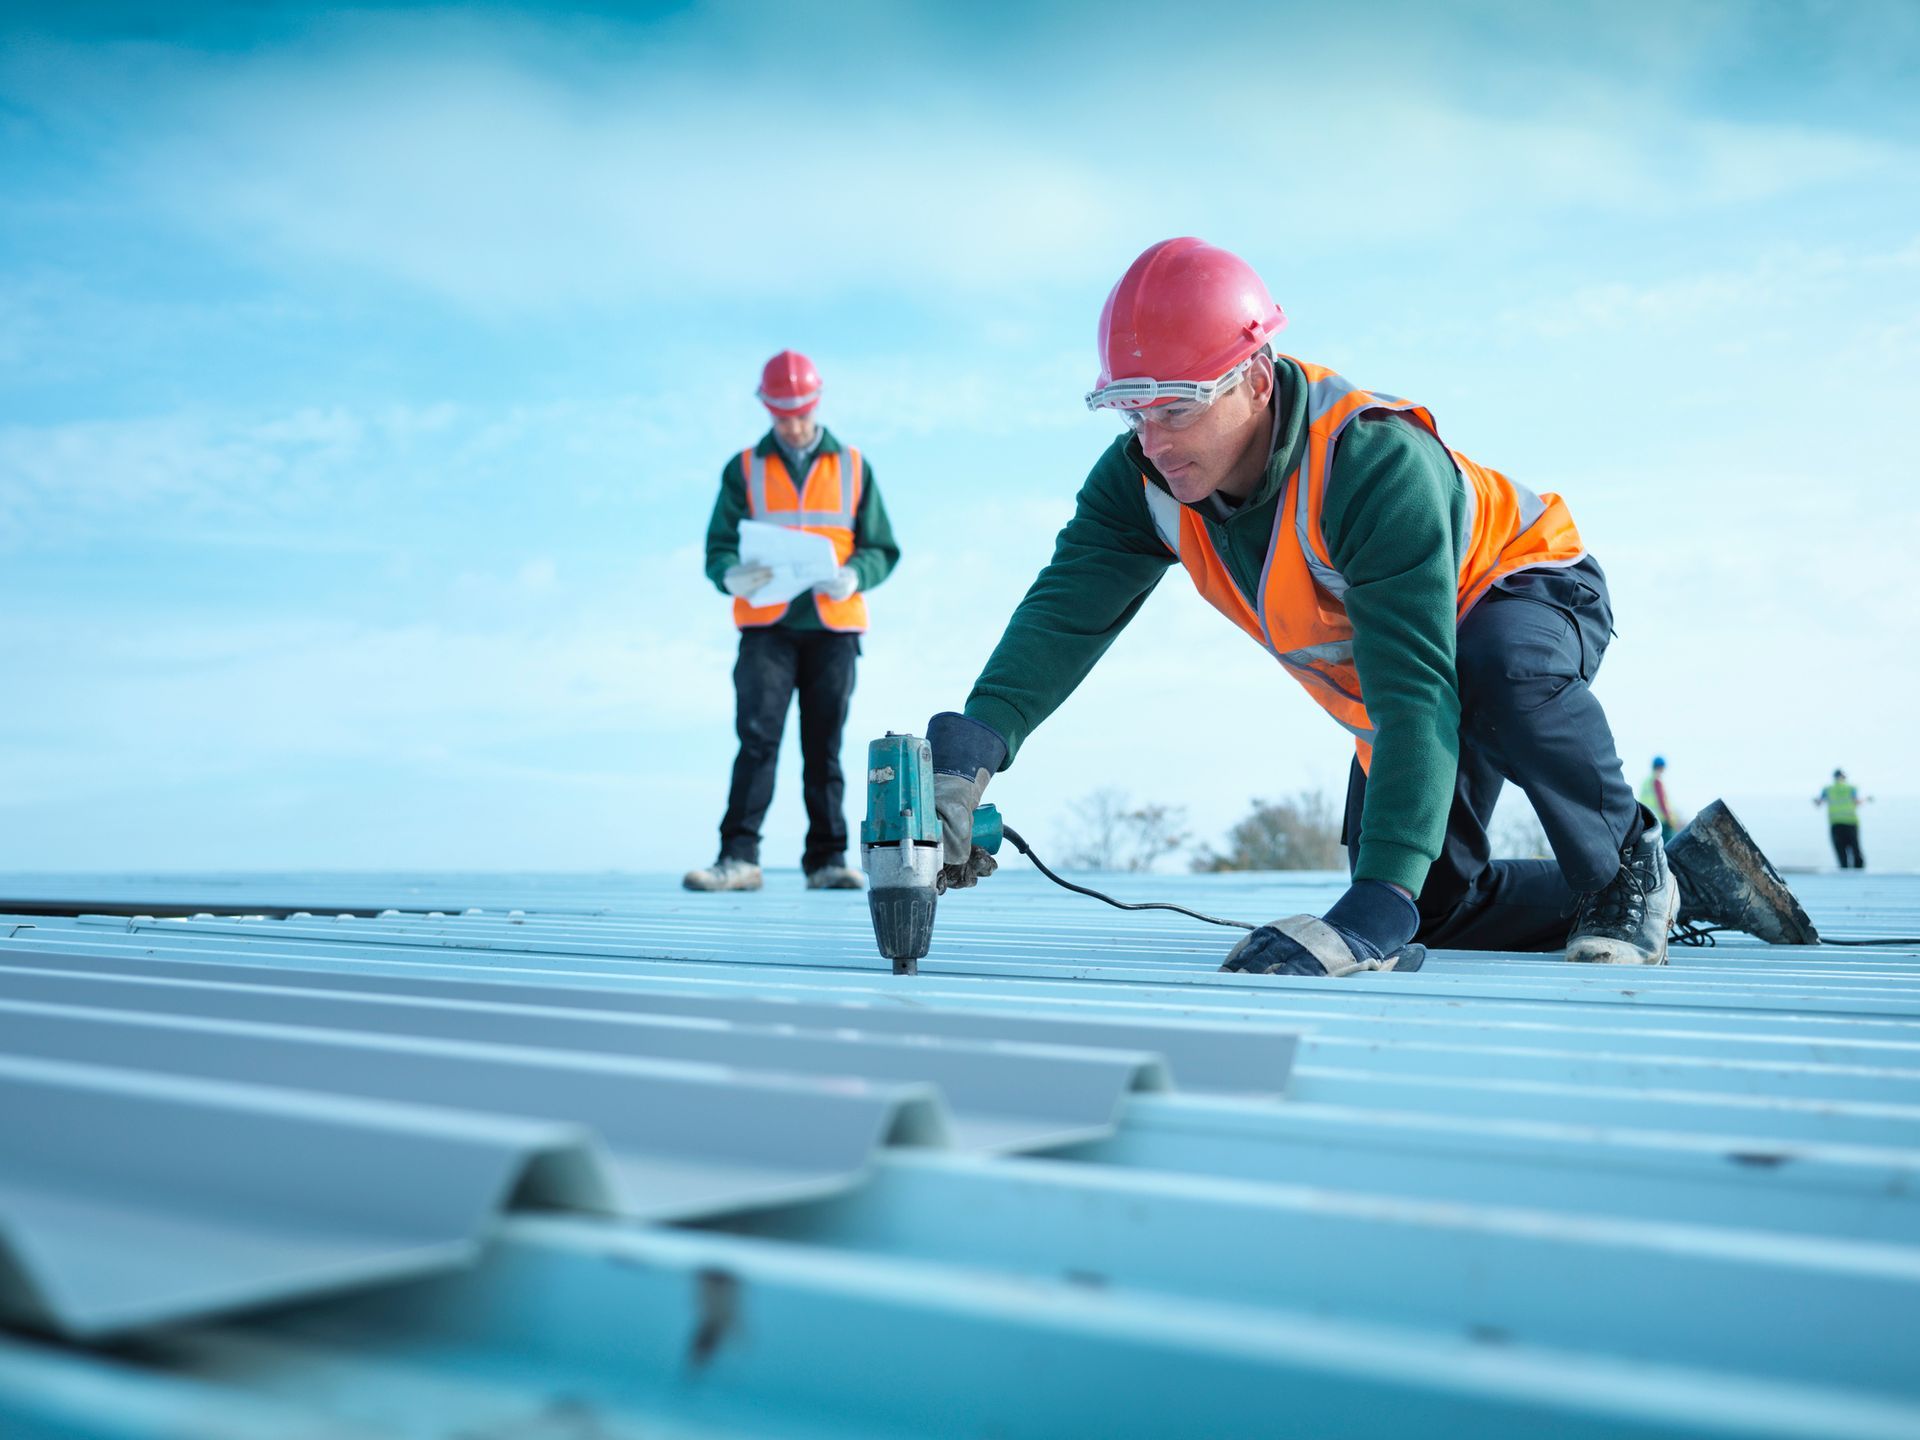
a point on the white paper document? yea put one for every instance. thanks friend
(799, 560)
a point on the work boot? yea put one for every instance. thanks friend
(1625, 922)
(726, 873)
(837, 876)
(1725, 880)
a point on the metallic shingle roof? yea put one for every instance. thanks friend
(609, 1154)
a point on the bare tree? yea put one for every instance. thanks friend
(1110, 832)
(1094, 837)
(1153, 831)
(1301, 832)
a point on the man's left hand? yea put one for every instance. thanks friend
(841, 586)
(1368, 928)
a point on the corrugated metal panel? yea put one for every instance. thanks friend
(1498, 1195)
(129, 1197)
(682, 1114)
(1001, 1094)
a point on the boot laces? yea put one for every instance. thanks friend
(1697, 932)
(1620, 906)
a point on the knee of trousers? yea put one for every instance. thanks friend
(760, 727)
(757, 747)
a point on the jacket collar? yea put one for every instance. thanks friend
(770, 445)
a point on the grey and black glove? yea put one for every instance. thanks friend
(841, 586)
(965, 755)
(1368, 928)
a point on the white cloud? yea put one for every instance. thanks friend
(1766, 300)
(196, 470)
(318, 475)
(522, 168)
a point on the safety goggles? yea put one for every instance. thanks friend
(1169, 404)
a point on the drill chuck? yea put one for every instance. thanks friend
(902, 886)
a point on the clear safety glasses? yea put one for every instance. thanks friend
(1168, 404)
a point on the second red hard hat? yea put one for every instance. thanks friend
(789, 385)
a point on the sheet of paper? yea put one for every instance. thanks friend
(799, 560)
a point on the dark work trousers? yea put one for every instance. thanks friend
(774, 662)
(1524, 659)
(1846, 847)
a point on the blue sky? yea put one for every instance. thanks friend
(365, 376)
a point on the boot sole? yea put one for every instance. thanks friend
(1719, 859)
(1659, 957)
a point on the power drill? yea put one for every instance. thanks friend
(900, 847)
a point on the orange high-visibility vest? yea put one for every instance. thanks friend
(826, 505)
(1298, 615)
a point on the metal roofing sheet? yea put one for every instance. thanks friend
(1496, 1195)
(129, 1197)
(1000, 1094)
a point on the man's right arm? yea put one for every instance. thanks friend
(1105, 563)
(723, 530)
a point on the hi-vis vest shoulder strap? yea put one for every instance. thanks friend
(827, 504)
(1298, 614)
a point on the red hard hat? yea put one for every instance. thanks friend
(789, 385)
(1184, 311)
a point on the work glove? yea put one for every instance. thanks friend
(1368, 928)
(965, 755)
(841, 586)
(743, 580)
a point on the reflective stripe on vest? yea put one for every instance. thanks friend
(828, 504)
(840, 519)
(1297, 613)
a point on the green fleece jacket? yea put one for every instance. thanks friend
(874, 551)
(1394, 514)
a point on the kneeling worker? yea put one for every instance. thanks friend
(1449, 618)
(800, 476)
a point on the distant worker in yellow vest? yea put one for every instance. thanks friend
(799, 476)
(1448, 618)
(1843, 804)
(1653, 795)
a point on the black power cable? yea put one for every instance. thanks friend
(1685, 933)
(1691, 932)
(1041, 865)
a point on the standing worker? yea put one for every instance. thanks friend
(1653, 795)
(1843, 804)
(800, 476)
(1447, 617)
